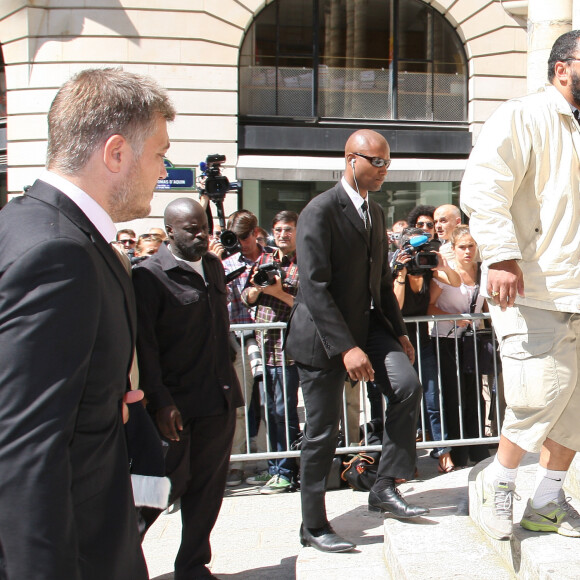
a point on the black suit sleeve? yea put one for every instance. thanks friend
(314, 241)
(47, 335)
(389, 303)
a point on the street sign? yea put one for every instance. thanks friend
(178, 178)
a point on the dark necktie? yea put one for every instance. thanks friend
(366, 217)
(577, 115)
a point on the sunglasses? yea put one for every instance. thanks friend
(425, 224)
(375, 161)
(127, 242)
(154, 237)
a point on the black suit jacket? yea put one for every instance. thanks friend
(67, 333)
(341, 270)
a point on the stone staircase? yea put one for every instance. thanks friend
(448, 542)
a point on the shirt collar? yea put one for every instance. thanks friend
(94, 212)
(354, 195)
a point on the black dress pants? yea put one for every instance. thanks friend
(197, 466)
(322, 392)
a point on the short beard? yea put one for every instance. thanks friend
(576, 89)
(122, 203)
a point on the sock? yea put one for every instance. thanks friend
(548, 486)
(496, 471)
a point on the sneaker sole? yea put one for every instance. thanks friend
(264, 491)
(492, 534)
(533, 527)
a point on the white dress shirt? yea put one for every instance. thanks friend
(94, 212)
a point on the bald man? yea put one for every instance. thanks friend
(346, 322)
(187, 374)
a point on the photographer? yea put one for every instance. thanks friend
(244, 225)
(274, 286)
(412, 290)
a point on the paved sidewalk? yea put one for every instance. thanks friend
(256, 536)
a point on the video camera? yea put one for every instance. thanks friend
(215, 185)
(421, 249)
(211, 182)
(266, 274)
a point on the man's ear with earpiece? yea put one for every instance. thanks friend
(352, 162)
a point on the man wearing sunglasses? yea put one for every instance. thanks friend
(346, 321)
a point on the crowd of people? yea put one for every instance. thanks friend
(88, 314)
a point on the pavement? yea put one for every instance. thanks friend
(256, 536)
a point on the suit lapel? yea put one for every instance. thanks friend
(52, 196)
(351, 213)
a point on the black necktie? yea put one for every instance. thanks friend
(366, 217)
(577, 115)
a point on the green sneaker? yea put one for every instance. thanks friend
(259, 478)
(277, 484)
(496, 506)
(557, 516)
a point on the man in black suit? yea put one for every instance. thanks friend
(346, 320)
(67, 334)
(186, 371)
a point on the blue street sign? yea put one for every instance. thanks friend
(178, 178)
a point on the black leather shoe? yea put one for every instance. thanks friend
(324, 539)
(390, 500)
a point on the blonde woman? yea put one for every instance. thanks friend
(447, 299)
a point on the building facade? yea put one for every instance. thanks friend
(276, 86)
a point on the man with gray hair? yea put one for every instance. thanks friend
(67, 334)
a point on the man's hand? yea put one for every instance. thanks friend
(407, 347)
(358, 365)
(130, 397)
(169, 422)
(505, 281)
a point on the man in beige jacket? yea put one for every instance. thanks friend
(520, 190)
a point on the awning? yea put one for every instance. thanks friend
(294, 168)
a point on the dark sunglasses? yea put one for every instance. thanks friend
(375, 161)
(125, 242)
(155, 237)
(425, 224)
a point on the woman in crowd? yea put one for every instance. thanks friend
(412, 289)
(458, 300)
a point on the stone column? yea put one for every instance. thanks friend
(547, 20)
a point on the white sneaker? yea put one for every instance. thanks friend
(496, 506)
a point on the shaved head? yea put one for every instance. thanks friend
(181, 207)
(364, 140)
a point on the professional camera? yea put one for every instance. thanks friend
(421, 249)
(215, 185)
(266, 274)
(211, 182)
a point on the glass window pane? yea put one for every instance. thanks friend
(414, 30)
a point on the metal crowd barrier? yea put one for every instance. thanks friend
(494, 382)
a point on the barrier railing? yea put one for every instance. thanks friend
(242, 331)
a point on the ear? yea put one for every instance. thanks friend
(169, 230)
(116, 153)
(561, 71)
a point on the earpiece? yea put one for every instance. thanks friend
(352, 163)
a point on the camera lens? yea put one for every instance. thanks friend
(228, 239)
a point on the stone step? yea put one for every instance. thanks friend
(445, 543)
(533, 555)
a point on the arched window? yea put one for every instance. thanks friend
(353, 59)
